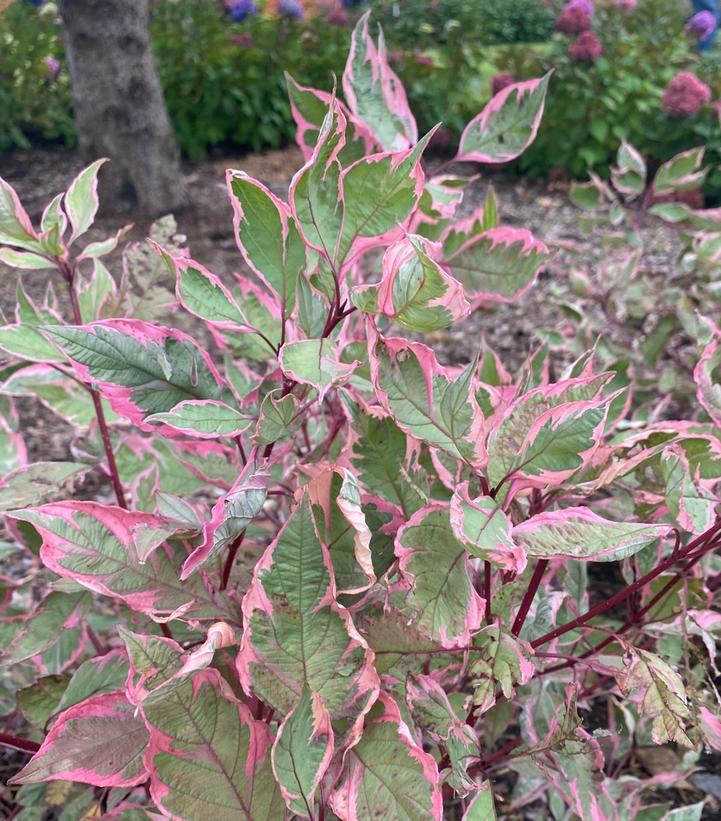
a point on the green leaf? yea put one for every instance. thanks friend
(387, 770)
(277, 419)
(28, 343)
(380, 457)
(15, 226)
(295, 634)
(301, 753)
(504, 663)
(81, 199)
(578, 533)
(208, 757)
(481, 806)
(24, 260)
(95, 292)
(314, 362)
(104, 674)
(39, 701)
(267, 236)
(38, 483)
(59, 393)
(205, 296)
(207, 419)
(441, 599)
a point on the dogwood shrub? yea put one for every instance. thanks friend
(338, 579)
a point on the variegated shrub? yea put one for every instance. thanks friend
(338, 579)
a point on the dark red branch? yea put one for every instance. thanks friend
(702, 543)
(529, 596)
(20, 744)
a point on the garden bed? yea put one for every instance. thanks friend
(509, 329)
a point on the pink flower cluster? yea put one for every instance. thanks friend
(685, 95)
(573, 19)
(587, 47)
(625, 5)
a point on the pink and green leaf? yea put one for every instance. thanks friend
(387, 769)
(117, 553)
(141, 369)
(204, 418)
(504, 663)
(375, 94)
(208, 758)
(425, 400)
(296, 635)
(81, 200)
(231, 515)
(440, 599)
(498, 265)
(507, 125)
(579, 533)
(414, 291)
(302, 751)
(100, 741)
(267, 236)
(485, 530)
(315, 362)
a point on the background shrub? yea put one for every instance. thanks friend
(34, 104)
(224, 84)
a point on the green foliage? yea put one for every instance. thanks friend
(33, 104)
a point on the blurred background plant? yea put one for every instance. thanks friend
(221, 66)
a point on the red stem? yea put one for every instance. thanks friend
(230, 559)
(21, 744)
(487, 593)
(635, 619)
(69, 276)
(603, 606)
(529, 596)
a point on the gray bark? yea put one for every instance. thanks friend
(119, 108)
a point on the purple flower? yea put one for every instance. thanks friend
(291, 8)
(702, 24)
(685, 95)
(423, 60)
(239, 10)
(586, 48)
(52, 66)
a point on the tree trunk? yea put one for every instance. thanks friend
(119, 108)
